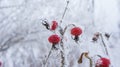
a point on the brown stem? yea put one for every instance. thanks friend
(80, 59)
(86, 55)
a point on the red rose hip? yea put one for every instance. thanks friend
(54, 25)
(54, 39)
(76, 31)
(103, 62)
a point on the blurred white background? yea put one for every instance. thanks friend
(27, 39)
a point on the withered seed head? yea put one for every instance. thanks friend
(46, 24)
(95, 38)
(107, 35)
(97, 34)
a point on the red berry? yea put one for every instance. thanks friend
(76, 31)
(54, 25)
(54, 39)
(103, 62)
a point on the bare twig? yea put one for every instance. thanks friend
(67, 27)
(64, 12)
(86, 55)
(105, 47)
(48, 55)
(99, 56)
(62, 31)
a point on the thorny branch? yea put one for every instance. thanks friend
(62, 35)
(62, 32)
(62, 54)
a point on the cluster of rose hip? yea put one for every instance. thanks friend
(55, 39)
(76, 32)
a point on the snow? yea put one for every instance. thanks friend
(21, 29)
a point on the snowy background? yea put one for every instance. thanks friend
(24, 40)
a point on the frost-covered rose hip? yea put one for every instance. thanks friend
(54, 39)
(103, 62)
(76, 31)
(54, 25)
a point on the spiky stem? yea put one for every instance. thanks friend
(62, 54)
(62, 59)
